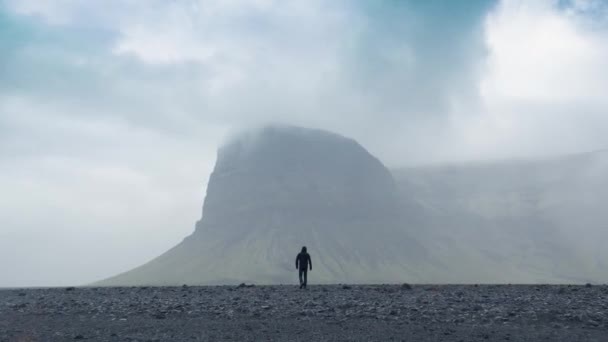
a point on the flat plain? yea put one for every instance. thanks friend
(319, 313)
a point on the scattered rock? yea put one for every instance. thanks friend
(71, 288)
(451, 309)
(406, 286)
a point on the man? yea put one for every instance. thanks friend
(303, 261)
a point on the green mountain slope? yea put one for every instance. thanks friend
(278, 189)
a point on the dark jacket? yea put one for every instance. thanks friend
(303, 261)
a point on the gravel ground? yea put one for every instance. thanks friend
(319, 313)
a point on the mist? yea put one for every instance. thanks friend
(110, 121)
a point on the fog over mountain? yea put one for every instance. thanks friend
(516, 221)
(112, 112)
(275, 189)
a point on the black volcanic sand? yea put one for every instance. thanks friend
(320, 313)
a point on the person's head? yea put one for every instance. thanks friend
(304, 249)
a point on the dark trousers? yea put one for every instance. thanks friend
(303, 274)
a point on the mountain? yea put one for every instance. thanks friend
(279, 188)
(532, 221)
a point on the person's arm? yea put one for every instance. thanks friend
(310, 262)
(297, 259)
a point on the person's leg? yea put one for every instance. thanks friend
(300, 276)
(305, 277)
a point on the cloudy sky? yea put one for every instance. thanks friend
(111, 111)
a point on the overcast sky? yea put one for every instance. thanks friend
(111, 111)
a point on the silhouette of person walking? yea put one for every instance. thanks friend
(303, 262)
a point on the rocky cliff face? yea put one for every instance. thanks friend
(296, 175)
(277, 189)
